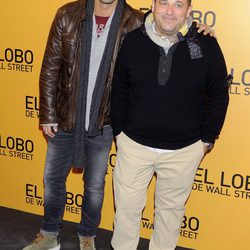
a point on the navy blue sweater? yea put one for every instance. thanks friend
(190, 106)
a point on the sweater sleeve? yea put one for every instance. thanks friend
(217, 92)
(120, 91)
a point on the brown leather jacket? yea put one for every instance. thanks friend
(60, 73)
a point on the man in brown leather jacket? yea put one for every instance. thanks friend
(75, 85)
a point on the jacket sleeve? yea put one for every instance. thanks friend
(50, 72)
(120, 91)
(217, 92)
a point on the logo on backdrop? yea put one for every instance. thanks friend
(31, 107)
(207, 17)
(241, 82)
(189, 228)
(111, 162)
(16, 60)
(222, 184)
(34, 197)
(16, 147)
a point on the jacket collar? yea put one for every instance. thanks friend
(83, 8)
(126, 13)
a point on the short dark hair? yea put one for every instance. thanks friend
(189, 2)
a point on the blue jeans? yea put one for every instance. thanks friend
(58, 164)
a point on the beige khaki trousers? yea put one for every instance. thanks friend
(135, 166)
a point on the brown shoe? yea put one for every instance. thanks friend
(44, 242)
(87, 243)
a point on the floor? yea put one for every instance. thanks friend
(18, 228)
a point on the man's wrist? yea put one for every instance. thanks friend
(209, 145)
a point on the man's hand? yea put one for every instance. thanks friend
(205, 29)
(50, 130)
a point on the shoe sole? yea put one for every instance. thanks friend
(58, 247)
